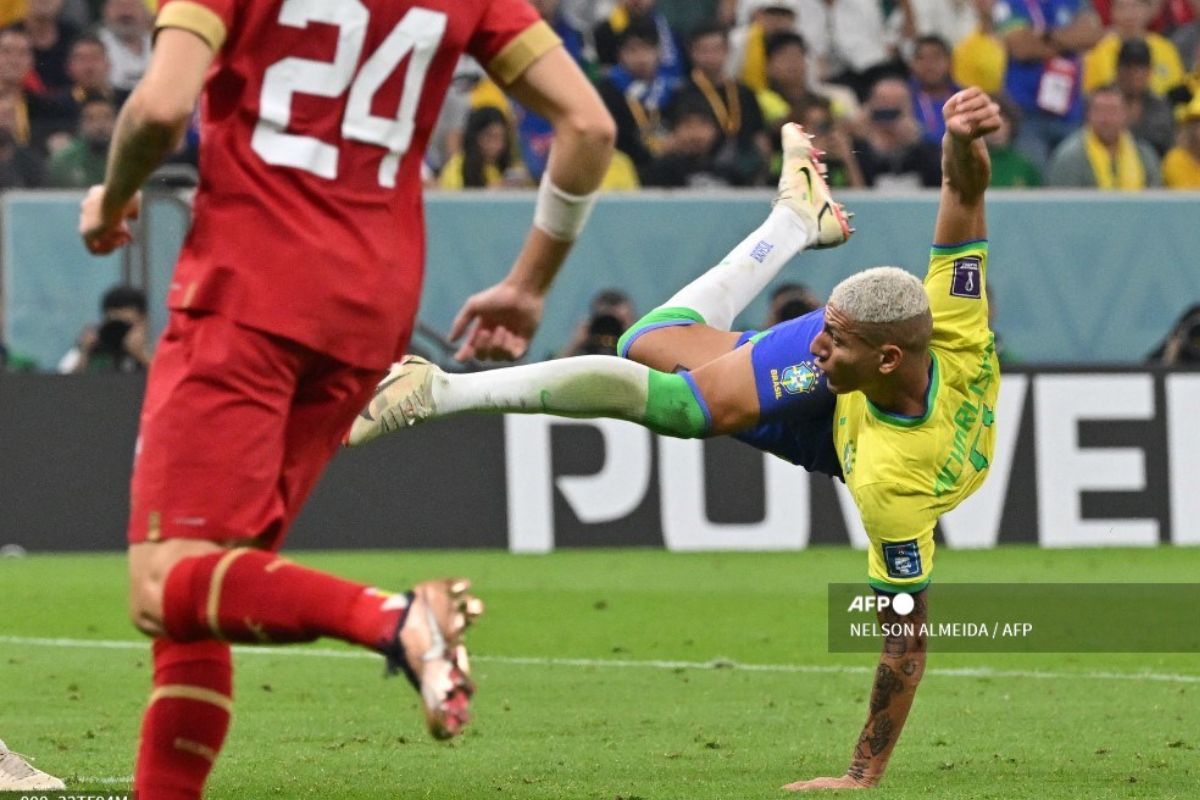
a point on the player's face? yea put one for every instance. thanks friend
(848, 360)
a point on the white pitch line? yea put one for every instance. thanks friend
(126, 781)
(613, 663)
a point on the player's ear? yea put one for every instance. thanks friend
(890, 357)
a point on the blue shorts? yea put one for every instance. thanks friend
(796, 408)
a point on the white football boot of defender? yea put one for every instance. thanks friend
(428, 648)
(17, 774)
(802, 188)
(404, 398)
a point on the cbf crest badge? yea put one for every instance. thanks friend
(799, 378)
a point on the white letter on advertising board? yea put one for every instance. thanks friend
(1065, 470)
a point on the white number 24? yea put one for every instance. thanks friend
(419, 32)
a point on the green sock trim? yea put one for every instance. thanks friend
(674, 407)
(658, 318)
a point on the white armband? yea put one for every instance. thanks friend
(561, 215)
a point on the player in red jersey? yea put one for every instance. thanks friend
(296, 288)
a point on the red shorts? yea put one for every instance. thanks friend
(236, 427)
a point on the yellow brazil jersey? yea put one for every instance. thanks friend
(905, 472)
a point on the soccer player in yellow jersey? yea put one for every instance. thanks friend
(891, 386)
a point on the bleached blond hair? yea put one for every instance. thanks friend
(881, 294)
(888, 303)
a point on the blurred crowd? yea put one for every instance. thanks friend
(1096, 93)
(66, 66)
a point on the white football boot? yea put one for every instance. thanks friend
(17, 774)
(429, 649)
(802, 188)
(403, 398)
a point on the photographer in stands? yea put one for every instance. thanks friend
(118, 343)
(610, 314)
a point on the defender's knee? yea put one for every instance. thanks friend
(149, 565)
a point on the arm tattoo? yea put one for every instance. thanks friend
(887, 683)
(896, 680)
(882, 736)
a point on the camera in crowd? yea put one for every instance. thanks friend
(118, 343)
(610, 314)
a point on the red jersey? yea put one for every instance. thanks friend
(308, 220)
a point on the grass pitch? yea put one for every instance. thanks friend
(555, 721)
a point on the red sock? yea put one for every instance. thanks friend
(186, 721)
(254, 596)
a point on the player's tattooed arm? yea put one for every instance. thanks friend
(901, 666)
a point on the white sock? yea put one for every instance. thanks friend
(723, 292)
(585, 386)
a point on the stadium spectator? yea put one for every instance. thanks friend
(585, 15)
(1165, 15)
(486, 161)
(742, 146)
(572, 39)
(21, 166)
(39, 119)
(831, 137)
(82, 163)
(16, 773)
(847, 39)
(1186, 38)
(1181, 167)
(891, 151)
(931, 85)
(1009, 167)
(89, 68)
(610, 314)
(687, 157)
(51, 38)
(1045, 40)
(949, 20)
(118, 343)
(980, 59)
(787, 79)
(1150, 116)
(1182, 344)
(1104, 154)
(789, 301)
(126, 36)
(748, 54)
(629, 13)
(636, 93)
(1130, 19)
(446, 139)
(790, 87)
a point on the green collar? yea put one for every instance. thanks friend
(901, 421)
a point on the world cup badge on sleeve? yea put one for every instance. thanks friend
(968, 277)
